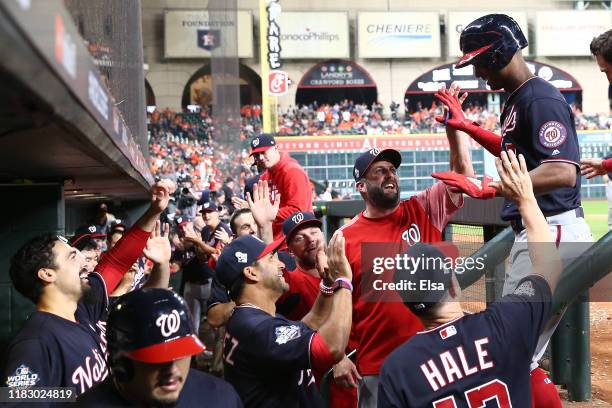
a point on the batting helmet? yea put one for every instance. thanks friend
(151, 326)
(491, 40)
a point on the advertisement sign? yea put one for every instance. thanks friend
(314, 35)
(193, 34)
(569, 33)
(458, 20)
(278, 83)
(362, 143)
(336, 74)
(398, 35)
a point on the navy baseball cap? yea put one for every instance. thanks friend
(262, 143)
(117, 226)
(151, 325)
(204, 197)
(299, 220)
(209, 207)
(239, 254)
(84, 235)
(430, 281)
(94, 230)
(365, 160)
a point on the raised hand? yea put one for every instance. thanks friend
(160, 195)
(264, 211)
(453, 115)
(190, 234)
(239, 203)
(515, 183)
(338, 264)
(158, 247)
(222, 236)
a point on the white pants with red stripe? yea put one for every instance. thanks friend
(573, 237)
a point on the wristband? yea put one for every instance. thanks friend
(343, 283)
(325, 290)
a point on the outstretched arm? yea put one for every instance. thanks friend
(116, 262)
(595, 167)
(457, 120)
(159, 251)
(460, 160)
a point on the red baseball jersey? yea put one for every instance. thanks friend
(381, 325)
(298, 300)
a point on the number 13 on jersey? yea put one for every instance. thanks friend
(477, 397)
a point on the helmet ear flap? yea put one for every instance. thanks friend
(122, 368)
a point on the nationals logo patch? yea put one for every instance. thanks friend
(552, 134)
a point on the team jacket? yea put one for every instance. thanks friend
(288, 179)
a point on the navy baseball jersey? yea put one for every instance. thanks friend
(50, 351)
(200, 390)
(218, 294)
(267, 359)
(538, 123)
(470, 360)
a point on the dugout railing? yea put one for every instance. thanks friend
(477, 228)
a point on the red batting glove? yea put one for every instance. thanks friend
(456, 119)
(468, 185)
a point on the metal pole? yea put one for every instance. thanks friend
(579, 388)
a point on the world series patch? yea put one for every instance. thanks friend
(552, 134)
(285, 334)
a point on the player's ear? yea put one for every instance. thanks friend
(360, 185)
(47, 275)
(251, 274)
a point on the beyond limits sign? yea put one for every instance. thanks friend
(398, 35)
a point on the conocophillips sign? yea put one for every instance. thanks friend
(314, 35)
(398, 35)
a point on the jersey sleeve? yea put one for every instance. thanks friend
(118, 260)
(553, 132)
(283, 343)
(218, 294)
(29, 364)
(521, 316)
(438, 204)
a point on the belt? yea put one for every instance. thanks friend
(555, 218)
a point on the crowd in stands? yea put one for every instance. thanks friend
(184, 148)
(345, 117)
(591, 122)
